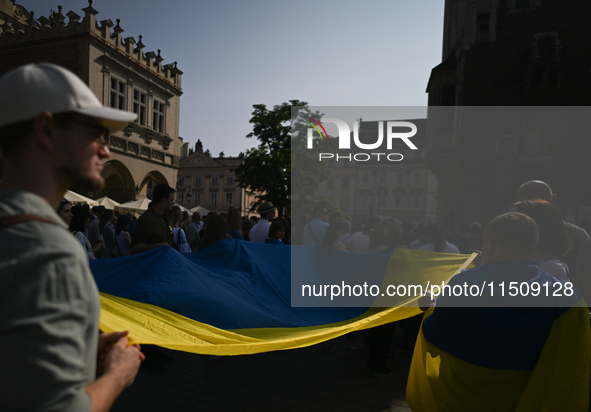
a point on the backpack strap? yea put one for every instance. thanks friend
(12, 220)
(312, 232)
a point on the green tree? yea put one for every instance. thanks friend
(266, 169)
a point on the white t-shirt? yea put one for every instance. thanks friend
(556, 268)
(260, 232)
(448, 248)
(359, 243)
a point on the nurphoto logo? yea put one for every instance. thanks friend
(393, 131)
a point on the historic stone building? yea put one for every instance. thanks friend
(210, 182)
(404, 189)
(122, 75)
(509, 53)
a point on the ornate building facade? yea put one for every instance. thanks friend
(121, 74)
(210, 182)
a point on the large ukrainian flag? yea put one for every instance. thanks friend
(502, 358)
(234, 297)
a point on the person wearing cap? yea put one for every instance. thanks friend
(260, 232)
(53, 135)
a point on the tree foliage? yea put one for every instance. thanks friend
(267, 169)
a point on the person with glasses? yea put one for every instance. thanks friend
(53, 136)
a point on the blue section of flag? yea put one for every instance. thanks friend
(507, 338)
(230, 285)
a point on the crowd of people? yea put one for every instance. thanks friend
(49, 311)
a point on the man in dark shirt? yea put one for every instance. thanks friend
(152, 229)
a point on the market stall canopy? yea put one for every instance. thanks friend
(136, 206)
(78, 199)
(200, 209)
(107, 202)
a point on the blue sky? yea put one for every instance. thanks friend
(238, 53)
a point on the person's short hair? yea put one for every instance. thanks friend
(122, 222)
(161, 191)
(79, 215)
(14, 136)
(475, 229)
(94, 209)
(196, 217)
(535, 189)
(554, 238)
(514, 233)
(247, 225)
(276, 227)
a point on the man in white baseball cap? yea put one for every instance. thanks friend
(53, 134)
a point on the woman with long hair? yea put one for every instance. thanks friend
(333, 235)
(65, 210)
(179, 239)
(378, 238)
(122, 235)
(107, 230)
(78, 224)
(234, 223)
(554, 242)
(216, 229)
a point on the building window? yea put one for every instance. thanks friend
(482, 26)
(544, 51)
(181, 195)
(381, 201)
(364, 200)
(345, 182)
(214, 199)
(214, 180)
(330, 183)
(400, 177)
(196, 199)
(117, 95)
(448, 98)
(229, 199)
(344, 205)
(416, 198)
(150, 184)
(230, 180)
(383, 177)
(399, 199)
(139, 106)
(158, 116)
(197, 180)
(182, 180)
(366, 178)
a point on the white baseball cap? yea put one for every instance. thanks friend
(44, 87)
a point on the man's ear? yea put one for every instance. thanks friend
(43, 127)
